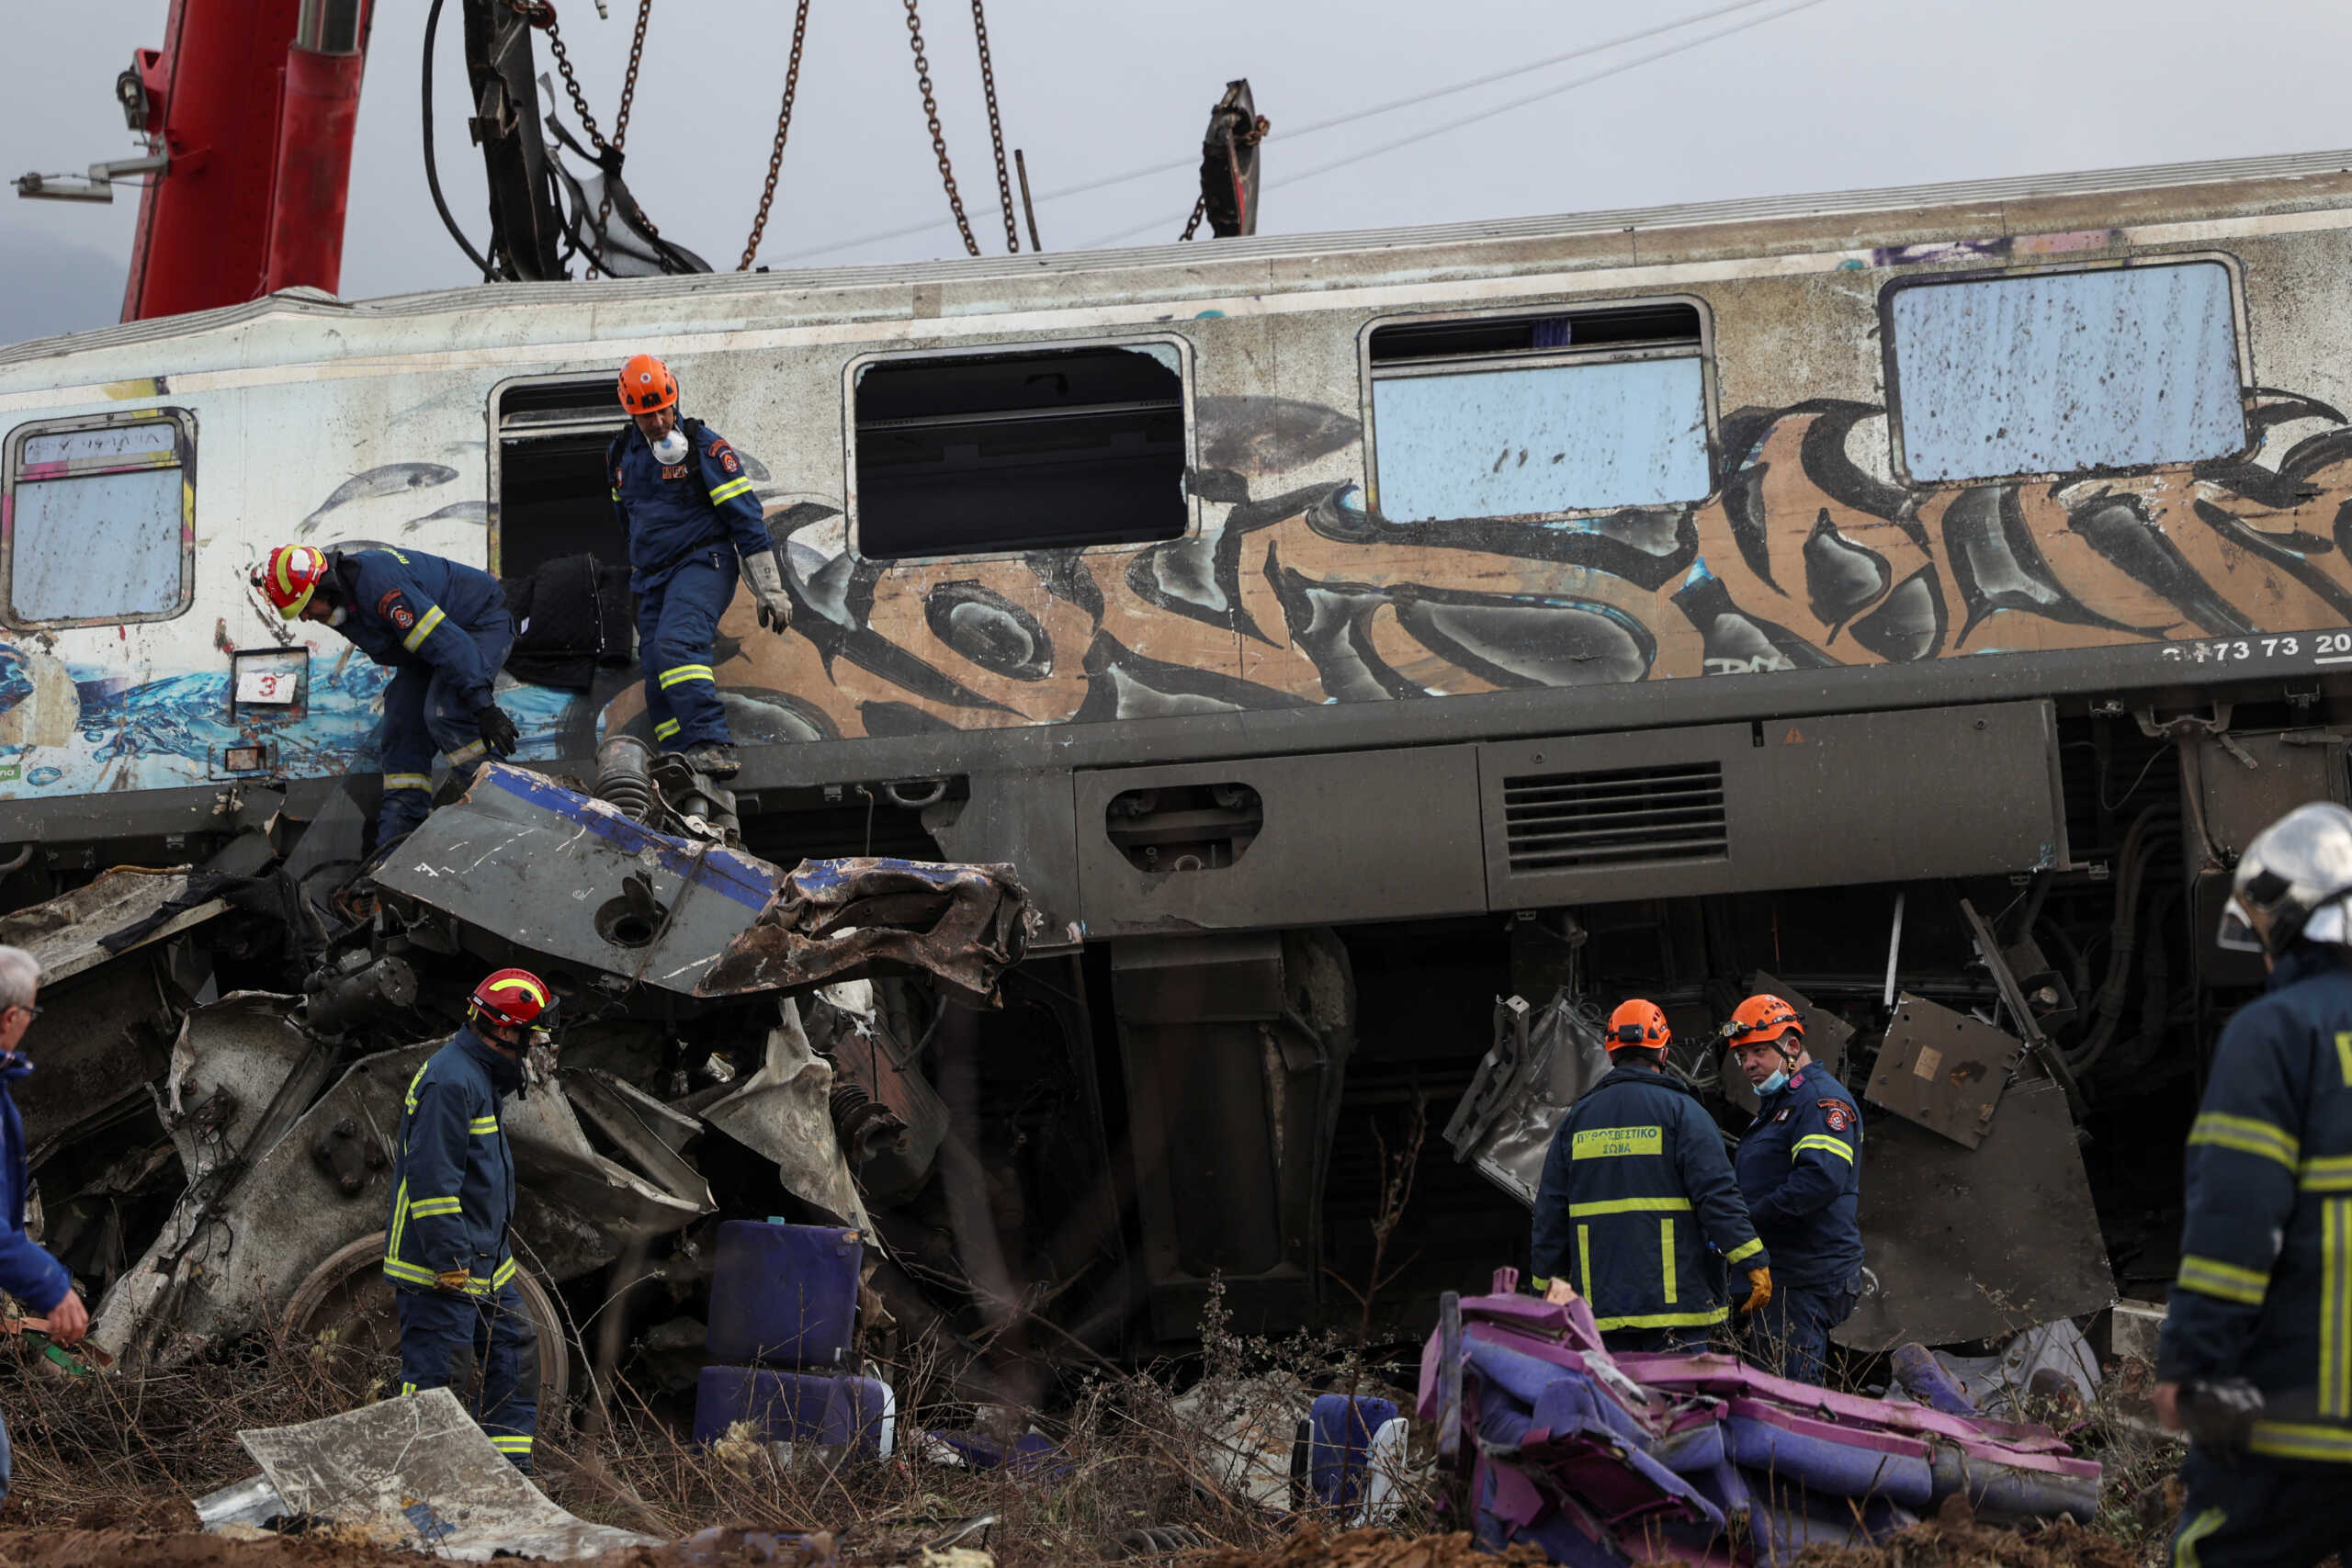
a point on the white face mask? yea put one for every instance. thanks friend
(673, 448)
(1776, 1083)
(336, 615)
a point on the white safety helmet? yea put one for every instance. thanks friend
(2294, 869)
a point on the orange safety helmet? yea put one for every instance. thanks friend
(516, 998)
(289, 577)
(1640, 1024)
(646, 385)
(1762, 1018)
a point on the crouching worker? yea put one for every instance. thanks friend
(441, 626)
(453, 1196)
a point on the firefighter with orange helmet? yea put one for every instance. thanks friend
(446, 1247)
(1638, 1207)
(1800, 1169)
(443, 629)
(685, 504)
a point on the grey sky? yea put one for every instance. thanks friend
(1844, 92)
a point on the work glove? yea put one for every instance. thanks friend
(767, 589)
(497, 729)
(2219, 1414)
(1760, 1290)
(452, 1281)
(1559, 1293)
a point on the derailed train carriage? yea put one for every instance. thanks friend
(1916, 597)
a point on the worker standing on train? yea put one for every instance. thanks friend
(445, 1248)
(2254, 1358)
(685, 506)
(1799, 1166)
(1636, 1190)
(443, 629)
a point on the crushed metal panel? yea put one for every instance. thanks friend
(418, 1471)
(837, 920)
(1504, 1124)
(549, 869)
(232, 1059)
(1825, 1036)
(574, 1209)
(1943, 1069)
(65, 934)
(1979, 1244)
(785, 1111)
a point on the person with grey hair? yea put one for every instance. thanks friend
(27, 1271)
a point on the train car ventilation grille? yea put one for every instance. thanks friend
(1621, 816)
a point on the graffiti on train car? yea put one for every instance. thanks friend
(1298, 594)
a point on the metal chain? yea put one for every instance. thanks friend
(783, 130)
(541, 14)
(996, 129)
(620, 130)
(938, 137)
(1200, 211)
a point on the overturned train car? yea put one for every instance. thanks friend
(1915, 597)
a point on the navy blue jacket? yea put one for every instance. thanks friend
(2265, 1287)
(1800, 1169)
(27, 1271)
(1636, 1190)
(453, 1174)
(670, 513)
(411, 609)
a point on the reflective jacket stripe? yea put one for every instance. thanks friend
(1825, 1145)
(423, 629)
(2293, 1440)
(1631, 1206)
(425, 1208)
(482, 1124)
(730, 489)
(408, 780)
(1665, 1253)
(2211, 1277)
(2327, 1173)
(2245, 1135)
(1744, 1251)
(1665, 1320)
(684, 673)
(2336, 1309)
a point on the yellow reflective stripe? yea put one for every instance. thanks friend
(1608, 1142)
(730, 489)
(408, 780)
(1665, 1320)
(407, 1389)
(2246, 1135)
(616, 495)
(1745, 1250)
(1540, 1283)
(2298, 1439)
(2327, 1173)
(2225, 1281)
(2336, 1309)
(510, 1445)
(686, 673)
(2344, 1057)
(424, 628)
(425, 1067)
(482, 1124)
(425, 1208)
(2184, 1545)
(1584, 1256)
(400, 1218)
(666, 729)
(397, 1270)
(1666, 1252)
(472, 751)
(1825, 1144)
(1632, 1206)
(505, 1273)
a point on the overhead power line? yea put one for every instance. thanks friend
(1291, 133)
(1552, 92)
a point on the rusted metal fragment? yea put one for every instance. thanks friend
(838, 919)
(1943, 1069)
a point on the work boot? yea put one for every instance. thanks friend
(713, 758)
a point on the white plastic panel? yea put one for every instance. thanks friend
(2060, 371)
(1547, 438)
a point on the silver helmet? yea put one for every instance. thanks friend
(2297, 867)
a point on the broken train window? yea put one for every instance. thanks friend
(548, 472)
(119, 490)
(1059, 449)
(2044, 373)
(1535, 414)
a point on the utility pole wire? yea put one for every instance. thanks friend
(1291, 134)
(1552, 92)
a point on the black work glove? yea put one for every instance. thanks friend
(497, 729)
(2219, 1414)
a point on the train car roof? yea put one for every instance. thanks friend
(1887, 215)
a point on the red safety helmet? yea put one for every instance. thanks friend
(289, 577)
(516, 998)
(1638, 1024)
(646, 385)
(1760, 1018)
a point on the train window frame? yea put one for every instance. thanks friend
(2241, 345)
(1703, 351)
(183, 424)
(853, 519)
(497, 433)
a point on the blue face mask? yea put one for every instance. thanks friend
(1775, 1084)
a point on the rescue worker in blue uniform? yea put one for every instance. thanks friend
(443, 629)
(685, 506)
(446, 1247)
(1636, 1191)
(2254, 1358)
(1800, 1169)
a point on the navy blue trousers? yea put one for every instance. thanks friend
(1789, 1335)
(677, 620)
(2262, 1513)
(1658, 1341)
(422, 716)
(441, 1334)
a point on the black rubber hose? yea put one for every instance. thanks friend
(432, 167)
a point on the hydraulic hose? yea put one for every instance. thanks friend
(432, 167)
